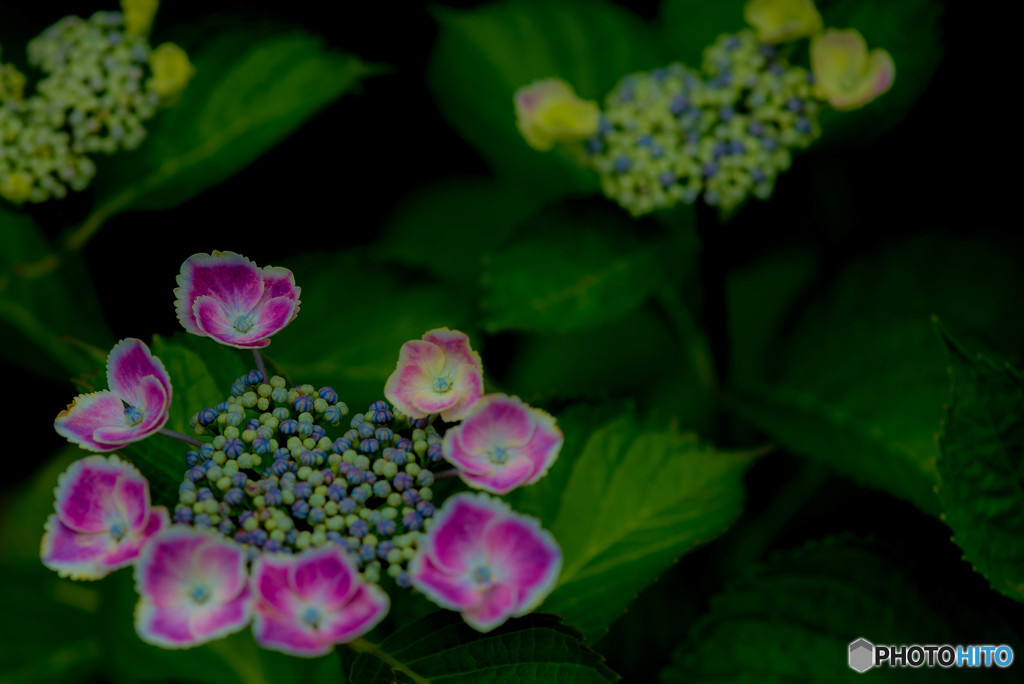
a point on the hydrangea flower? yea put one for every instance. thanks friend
(778, 21)
(193, 588)
(103, 519)
(503, 444)
(227, 297)
(172, 71)
(549, 112)
(845, 73)
(485, 561)
(100, 421)
(437, 374)
(307, 603)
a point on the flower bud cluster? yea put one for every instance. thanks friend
(275, 480)
(96, 93)
(674, 134)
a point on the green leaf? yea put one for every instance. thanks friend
(792, 618)
(50, 318)
(857, 377)
(689, 26)
(442, 648)
(448, 227)
(484, 54)
(584, 269)
(49, 627)
(356, 313)
(911, 31)
(250, 91)
(33, 502)
(634, 501)
(982, 467)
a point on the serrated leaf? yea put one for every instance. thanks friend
(442, 648)
(584, 269)
(792, 618)
(251, 89)
(857, 379)
(484, 54)
(49, 627)
(635, 500)
(356, 314)
(49, 312)
(982, 467)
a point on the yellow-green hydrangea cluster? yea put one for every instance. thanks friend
(675, 134)
(96, 93)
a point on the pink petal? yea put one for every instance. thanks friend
(426, 402)
(325, 577)
(270, 584)
(456, 537)
(74, 554)
(214, 321)
(503, 478)
(84, 498)
(497, 606)
(279, 282)
(525, 557)
(497, 420)
(545, 445)
(155, 406)
(278, 633)
(272, 316)
(86, 414)
(131, 546)
(427, 355)
(230, 278)
(222, 566)
(454, 591)
(167, 627)
(455, 453)
(469, 387)
(127, 364)
(221, 618)
(164, 571)
(411, 389)
(455, 345)
(131, 500)
(365, 609)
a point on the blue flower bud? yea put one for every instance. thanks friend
(369, 446)
(183, 514)
(191, 458)
(333, 415)
(225, 526)
(356, 477)
(206, 451)
(317, 515)
(384, 434)
(412, 521)
(425, 509)
(238, 388)
(303, 404)
(273, 546)
(359, 528)
(300, 509)
(360, 495)
(318, 433)
(234, 496)
(382, 488)
(357, 420)
(273, 497)
(207, 417)
(434, 452)
(328, 394)
(386, 527)
(261, 445)
(341, 445)
(347, 506)
(258, 537)
(419, 423)
(254, 377)
(337, 490)
(404, 444)
(403, 580)
(289, 427)
(196, 474)
(202, 520)
(366, 430)
(234, 448)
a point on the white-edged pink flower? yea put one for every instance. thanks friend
(227, 297)
(439, 373)
(503, 444)
(100, 421)
(192, 587)
(484, 560)
(307, 603)
(103, 518)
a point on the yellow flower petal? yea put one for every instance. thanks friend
(845, 73)
(172, 71)
(778, 21)
(549, 112)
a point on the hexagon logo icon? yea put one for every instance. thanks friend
(862, 655)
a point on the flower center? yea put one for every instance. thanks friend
(442, 384)
(244, 323)
(312, 617)
(498, 455)
(133, 416)
(200, 595)
(118, 530)
(483, 575)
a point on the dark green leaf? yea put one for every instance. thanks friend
(792, 619)
(441, 648)
(911, 31)
(982, 467)
(249, 92)
(483, 55)
(633, 502)
(857, 380)
(689, 26)
(569, 272)
(34, 503)
(447, 228)
(50, 318)
(356, 313)
(49, 627)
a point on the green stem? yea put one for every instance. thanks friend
(690, 336)
(363, 646)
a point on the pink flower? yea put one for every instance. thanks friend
(192, 588)
(503, 444)
(100, 421)
(438, 374)
(485, 561)
(307, 603)
(227, 297)
(102, 520)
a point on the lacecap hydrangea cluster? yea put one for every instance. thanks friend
(722, 133)
(275, 479)
(101, 82)
(291, 514)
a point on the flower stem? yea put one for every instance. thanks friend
(363, 646)
(194, 441)
(452, 472)
(260, 366)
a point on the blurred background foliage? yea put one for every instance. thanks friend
(372, 150)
